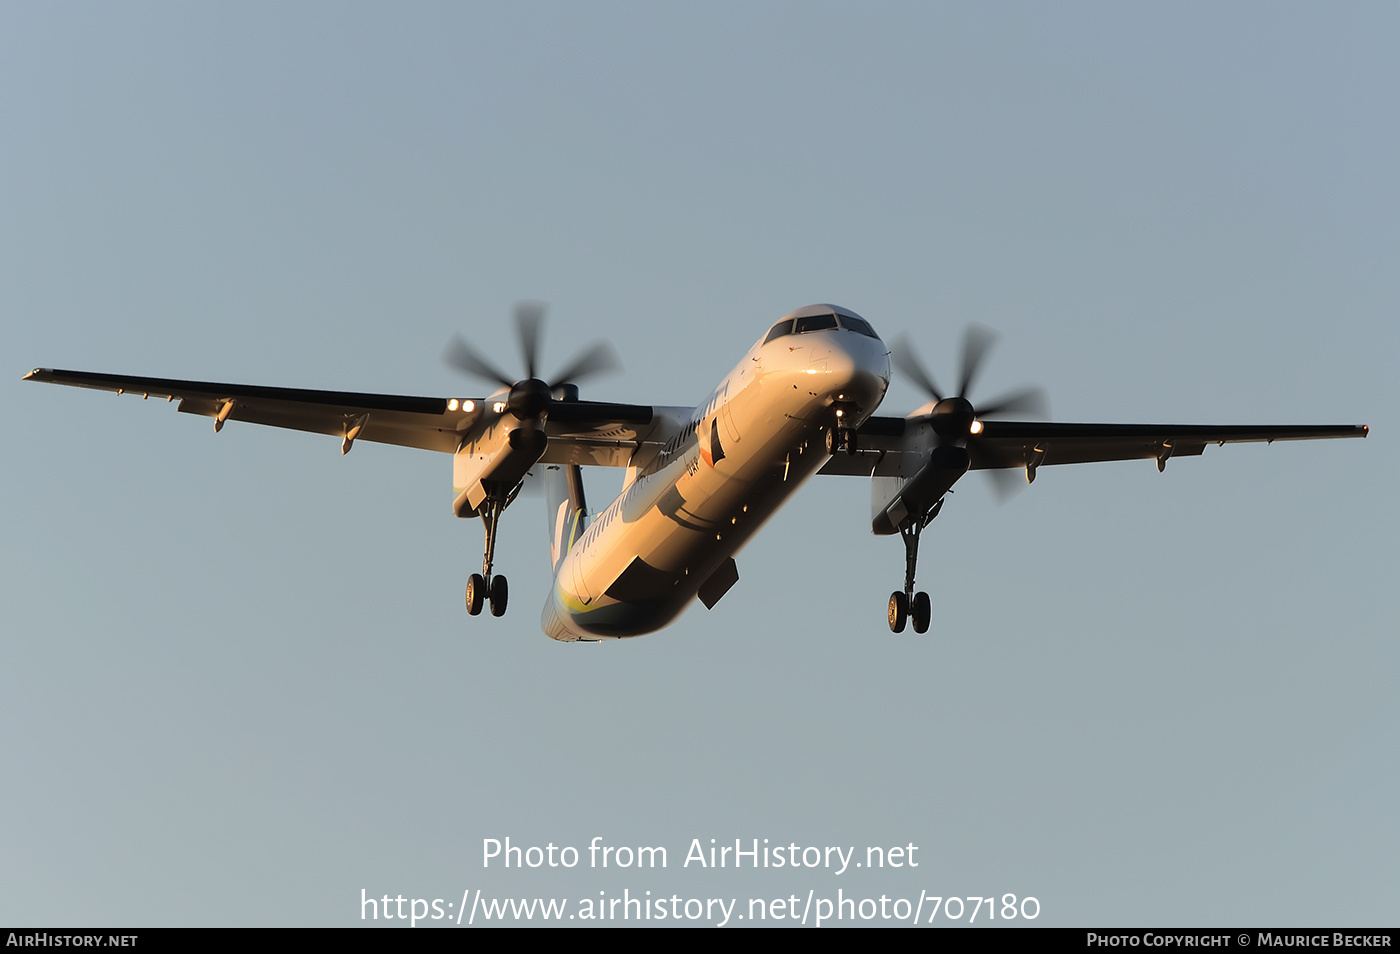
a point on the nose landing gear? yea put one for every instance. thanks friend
(841, 435)
(908, 605)
(841, 438)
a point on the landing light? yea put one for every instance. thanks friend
(976, 427)
(469, 405)
(499, 406)
(452, 404)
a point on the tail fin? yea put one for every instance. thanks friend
(567, 511)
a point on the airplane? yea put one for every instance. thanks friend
(699, 481)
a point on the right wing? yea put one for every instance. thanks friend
(577, 429)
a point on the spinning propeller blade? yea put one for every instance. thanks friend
(955, 419)
(530, 396)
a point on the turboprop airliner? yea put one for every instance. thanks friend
(699, 481)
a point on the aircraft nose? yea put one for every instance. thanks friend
(858, 371)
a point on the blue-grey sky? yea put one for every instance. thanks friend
(240, 685)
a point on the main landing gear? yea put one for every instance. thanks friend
(908, 605)
(483, 587)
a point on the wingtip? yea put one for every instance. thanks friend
(31, 374)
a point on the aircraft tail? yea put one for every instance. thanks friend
(566, 509)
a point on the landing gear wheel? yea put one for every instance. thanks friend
(898, 612)
(848, 440)
(476, 593)
(921, 612)
(499, 594)
(832, 440)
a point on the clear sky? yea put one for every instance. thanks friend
(239, 682)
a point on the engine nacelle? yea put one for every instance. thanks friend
(896, 499)
(493, 464)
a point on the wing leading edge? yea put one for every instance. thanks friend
(436, 424)
(1014, 444)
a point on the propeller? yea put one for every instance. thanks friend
(531, 396)
(954, 418)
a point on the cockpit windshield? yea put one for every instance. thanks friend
(859, 325)
(783, 327)
(815, 323)
(824, 322)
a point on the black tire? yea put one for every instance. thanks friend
(476, 594)
(898, 612)
(921, 612)
(831, 440)
(850, 442)
(499, 594)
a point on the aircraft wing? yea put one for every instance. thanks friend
(437, 424)
(1013, 444)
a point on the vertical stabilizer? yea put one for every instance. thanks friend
(566, 509)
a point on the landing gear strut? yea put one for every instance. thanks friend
(483, 587)
(907, 604)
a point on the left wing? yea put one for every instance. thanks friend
(436, 424)
(1030, 445)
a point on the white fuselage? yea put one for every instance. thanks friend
(643, 559)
